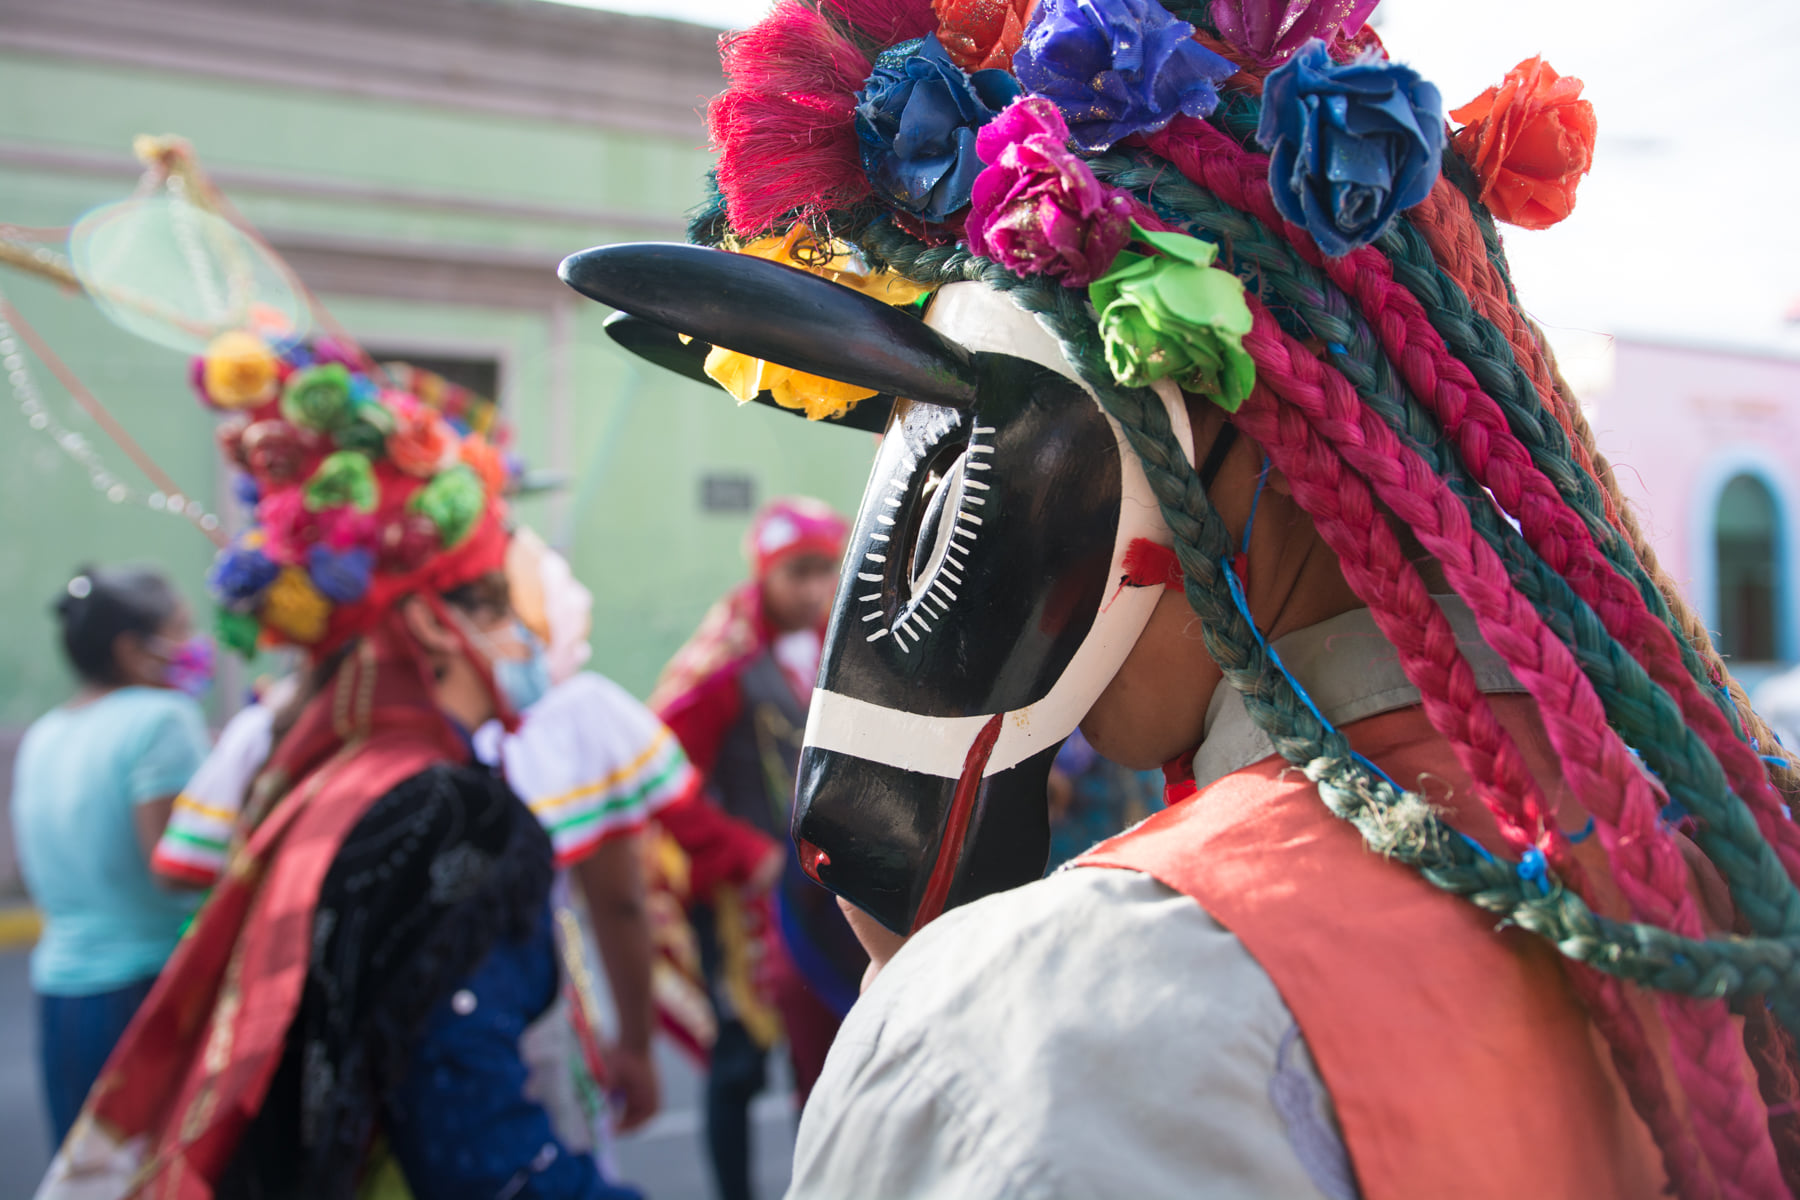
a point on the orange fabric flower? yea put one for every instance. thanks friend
(1530, 141)
(422, 443)
(485, 461)
(979, 34)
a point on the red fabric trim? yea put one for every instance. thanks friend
(956, 825)
(192, 1069)
(484, 669)
(181, 872)
(573, 855)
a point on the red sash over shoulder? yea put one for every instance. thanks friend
(197, 1060)
(1458, 1060)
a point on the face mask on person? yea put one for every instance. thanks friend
(523, 681)
(188, 666)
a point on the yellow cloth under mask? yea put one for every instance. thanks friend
(819, 398)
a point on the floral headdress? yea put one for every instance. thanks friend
(979, 125)
(366, 483)
(1248, 198)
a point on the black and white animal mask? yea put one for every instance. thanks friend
(982, 607)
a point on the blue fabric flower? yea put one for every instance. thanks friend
(241, 572)
(916, 118)
(293, 351)
(1117, 67)
(341, 576)
(1350, 144)
(244, 487)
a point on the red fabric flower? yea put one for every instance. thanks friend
(422, 442)
(407, 543)
(276, 452)
(1530, 141)
(979, 34)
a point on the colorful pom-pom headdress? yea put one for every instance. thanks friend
(366, 483)
(1250, 200)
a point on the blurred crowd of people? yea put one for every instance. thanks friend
(476, 831)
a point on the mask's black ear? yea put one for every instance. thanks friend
(777, 313)
(663, 346)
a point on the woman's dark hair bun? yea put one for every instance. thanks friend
(98, 604)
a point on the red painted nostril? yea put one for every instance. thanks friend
(811, 859)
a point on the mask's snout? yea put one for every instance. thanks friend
(903, 845)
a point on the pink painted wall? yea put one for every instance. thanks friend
(1677, 423)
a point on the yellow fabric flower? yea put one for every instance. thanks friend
(294, 608)
(819, 398)
(239, 370)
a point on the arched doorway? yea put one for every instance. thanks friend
(1749, 588)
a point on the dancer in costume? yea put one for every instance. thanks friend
(1224, 437)
(382, 936)
(593, 764)
(92, 789)
(736, 696)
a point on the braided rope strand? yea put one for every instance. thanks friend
(1647, 866)
(1765, 875)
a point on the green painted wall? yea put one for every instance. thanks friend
(639, 442)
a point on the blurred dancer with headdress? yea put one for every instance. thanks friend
(736, 695)
(382, 935)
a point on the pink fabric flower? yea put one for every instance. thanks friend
(289, 528)
(1037, 208)
(344, 529)
(1268, 31)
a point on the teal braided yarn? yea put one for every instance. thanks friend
(1481, 347)
(1396, 824)
(1641, 710)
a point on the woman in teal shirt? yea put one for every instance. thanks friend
(93, 785)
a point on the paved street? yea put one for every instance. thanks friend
(24, 1140)
(666, 1159)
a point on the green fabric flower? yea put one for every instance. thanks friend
(367, 430)
(345, 478)
(236, 631)
(318, 398)
(453, 501)
(1176, 316)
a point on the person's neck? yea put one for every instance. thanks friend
(467, 713)
(87, 693)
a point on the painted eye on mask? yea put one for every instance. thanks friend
(923, 534)
(949, 523)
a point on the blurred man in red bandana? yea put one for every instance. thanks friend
(736, 695)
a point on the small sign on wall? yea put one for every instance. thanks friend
(724, 492)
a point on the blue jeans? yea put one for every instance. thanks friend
(76, 1034)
